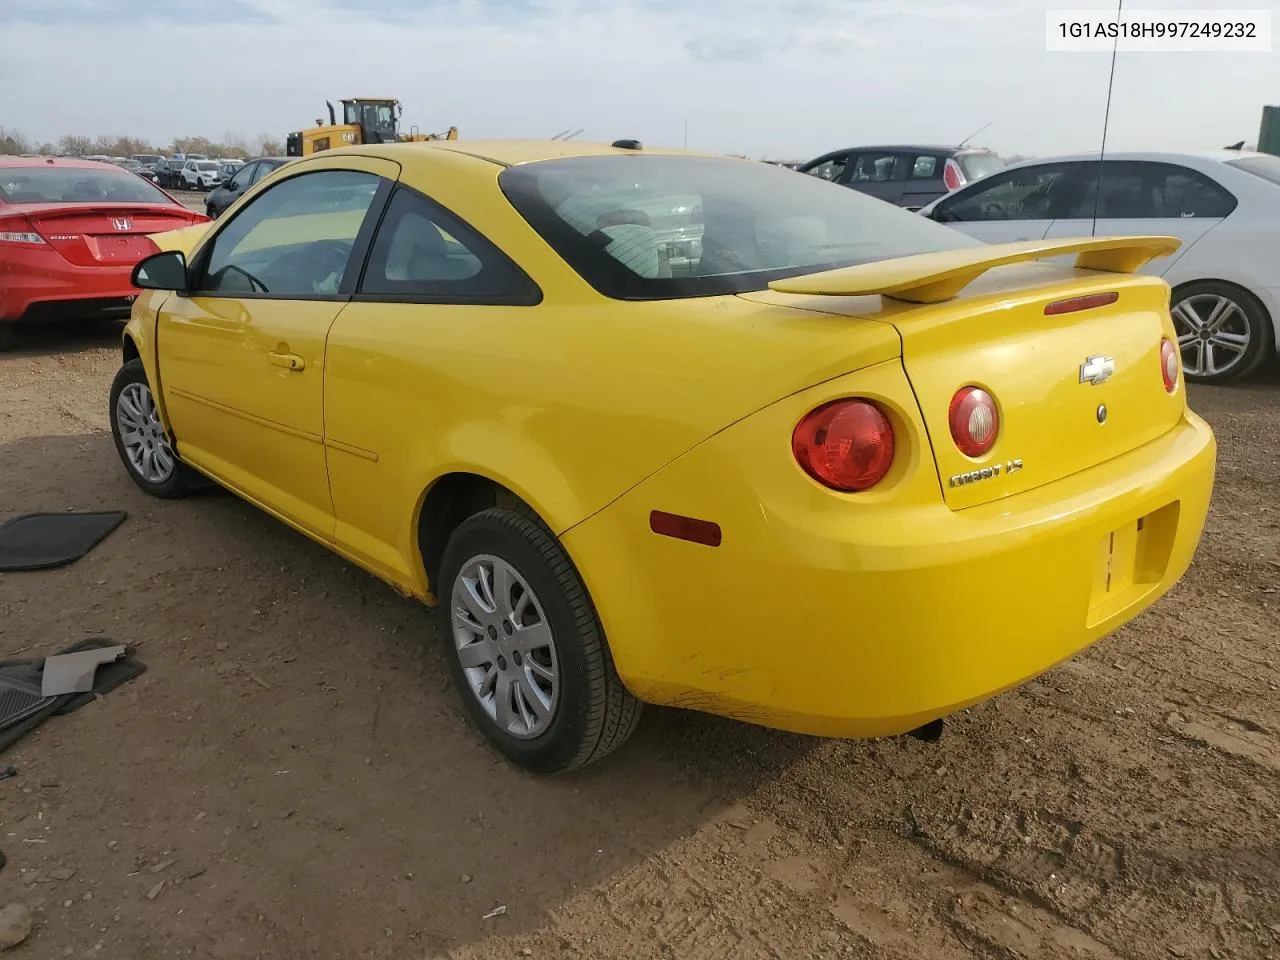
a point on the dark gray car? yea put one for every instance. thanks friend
(229, 191)
(906, 175)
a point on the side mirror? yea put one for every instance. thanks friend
(161, 271)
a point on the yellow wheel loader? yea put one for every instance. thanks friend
(364, 120)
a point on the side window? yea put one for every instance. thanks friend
(878, 168)
(1186, 194)
(1142, 190)
(1128, 193)
(422, 252)
(829, 169)
(293, 240)
(263, 169)
(926, 166)
(243, 177)
(1029, 193)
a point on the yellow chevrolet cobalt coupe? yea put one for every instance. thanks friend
(656, 427)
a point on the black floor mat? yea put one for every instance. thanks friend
(28, 673)
(42, 541)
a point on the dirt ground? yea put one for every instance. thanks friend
(294, 777)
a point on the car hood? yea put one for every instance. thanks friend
(183, 240)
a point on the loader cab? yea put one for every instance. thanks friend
(378, 120)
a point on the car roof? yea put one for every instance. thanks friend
(950, 149)
(1219, 156)
(511, 153)
(72, 162)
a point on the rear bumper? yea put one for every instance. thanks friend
(872, 620)
(41, 285)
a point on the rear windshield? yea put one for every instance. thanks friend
(1268, 167)
(978, 165)
(658, 227)
(71, 185)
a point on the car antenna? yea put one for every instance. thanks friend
(974, 134)
(1106, 119)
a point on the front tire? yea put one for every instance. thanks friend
(140, 437)
(525, 647)
(1224, 331)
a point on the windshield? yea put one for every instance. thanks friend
(206, 165)
(979, 165)
(71, 185)
(1266, 167)
(659, 227)
(147, 157)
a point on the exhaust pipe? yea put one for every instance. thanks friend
(333, 120)
(931, 732)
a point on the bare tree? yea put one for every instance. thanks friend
(11, 141)
(75, 146)
(269, 146)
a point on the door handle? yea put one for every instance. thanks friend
(290, 361)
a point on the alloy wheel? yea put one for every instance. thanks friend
(142, 436)
(1214, 334)
(505, 645)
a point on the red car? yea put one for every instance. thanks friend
(70, 234)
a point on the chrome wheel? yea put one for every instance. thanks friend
(141, 435)
(505, 646)
(1214, 334)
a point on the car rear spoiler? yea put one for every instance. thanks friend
(935, 277)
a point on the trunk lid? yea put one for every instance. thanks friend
(102, 234)
(1051, 374)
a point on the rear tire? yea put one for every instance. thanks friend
(1224, 331)
(140, 439)
(537, 638)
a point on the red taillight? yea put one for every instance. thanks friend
(845, 445)
(1080, 303)
(974, 421)
(15, 228)
(1169, 365)
(952, 176)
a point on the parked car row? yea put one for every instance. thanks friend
(1224, 206)
(193, 171)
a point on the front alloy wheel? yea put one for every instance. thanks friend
(140, 437)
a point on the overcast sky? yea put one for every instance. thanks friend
(769, 78)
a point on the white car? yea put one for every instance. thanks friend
(199, 174)
(1224, 206)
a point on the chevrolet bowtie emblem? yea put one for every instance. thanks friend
(1097, 370)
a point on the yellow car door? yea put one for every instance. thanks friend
(429, 280)
(241, 355)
